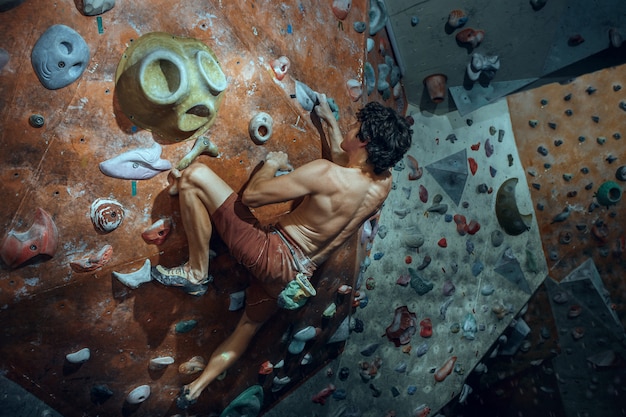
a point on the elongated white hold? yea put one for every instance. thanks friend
(135, 279)
(136, 164)
(305, 334)
(138, 395)
(161, 362)
(80, 356)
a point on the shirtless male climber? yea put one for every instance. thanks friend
(337, 197)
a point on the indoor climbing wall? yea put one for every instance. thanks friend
(456, 256)
(83, 329)
(570, 141)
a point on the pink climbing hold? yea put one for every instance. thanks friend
(341, 8)
(415, 172)
(280, 66)
(157, 232)
(93, 261)
(423, 192)
(41, 238)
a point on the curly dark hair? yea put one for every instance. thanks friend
(388, 135)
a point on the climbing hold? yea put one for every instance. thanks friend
(402, 328)
(158, 231)
(442, 373)
(426, 328)
(260, 128)
(322, 396)
(40, 239)
(371, 348)
(471, 37)
(93, 261)
(620, 174)
(415, 172)
(562, 216)
(377, 15)
(100, 393)
(192, 366)
(305, 96)
(533, 123)
(507, 212)
(575, 40)
(138, 395)
(443, 243)
(370, 77)
(473, 165)
(457, 18)
(448, 288)
(469, 327)
(355, 89)
(537, 4)
(341, 8)
(266, 368)
(477, 268)
(436, 87)
(425, 262)
(249, 402)
(488, 148)
(79, 356)
(170, 85)
(497, 238)
(359, 26)
(280, 66)
(202, 145)
(136, 164)
(423, 194)
(136, 278)
(185, 326)
(419, 284)
(59, 57)
(609, 193)
(414, 20)
(106, 215)
(36, 120)
(161, 362)
(96, 7)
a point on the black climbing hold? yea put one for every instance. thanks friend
(542, 150)
(36, 120)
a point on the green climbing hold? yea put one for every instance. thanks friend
(185, 326)
(247, 404)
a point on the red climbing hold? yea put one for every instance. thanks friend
(473, 165)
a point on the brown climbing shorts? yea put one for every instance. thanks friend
(263, 252)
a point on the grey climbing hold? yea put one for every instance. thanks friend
(59, 57)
